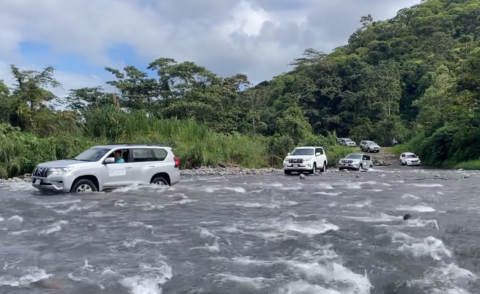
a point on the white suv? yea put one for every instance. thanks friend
(303, 159)
(97, 169)
(409, 158)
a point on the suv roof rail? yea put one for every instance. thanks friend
(144, 144)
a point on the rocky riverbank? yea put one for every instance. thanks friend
(207, 171)
(201, 171)
(232, 170)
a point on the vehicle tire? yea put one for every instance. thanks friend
(161, 181)
(340, 169)
(324, 167)
(371, 166)
(360, 167)
(314, 169)
(368, 150)
(83, 186)
(288, 172)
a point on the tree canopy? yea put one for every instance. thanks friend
(415, 77)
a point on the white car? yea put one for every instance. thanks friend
(369, 146)
(347, 142)
(302, 159)
(409, 158)
(355, 161)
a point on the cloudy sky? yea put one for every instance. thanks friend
(256, 37)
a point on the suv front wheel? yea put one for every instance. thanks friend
(84, 186)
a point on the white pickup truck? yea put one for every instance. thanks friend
(306, 159)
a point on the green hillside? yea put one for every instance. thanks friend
(414, 77)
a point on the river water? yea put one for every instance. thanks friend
(331, 233)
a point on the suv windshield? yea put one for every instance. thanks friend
(303, 151)
(411, 156)
(372, 143)
(354, 156)
(93, 154)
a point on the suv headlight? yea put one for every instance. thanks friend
(59, 171)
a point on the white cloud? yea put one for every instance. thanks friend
(256, 37)
(69, 80)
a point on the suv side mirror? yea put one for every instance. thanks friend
(109, 160)
(318, 154)
(288, 153)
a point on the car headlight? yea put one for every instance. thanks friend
(59, 171)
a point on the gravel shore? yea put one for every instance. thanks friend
(201, 171)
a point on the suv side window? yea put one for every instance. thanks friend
(319, 150)
(141, 155)
(159, 154)
(367, 157)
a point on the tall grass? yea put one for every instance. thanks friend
(194, 143)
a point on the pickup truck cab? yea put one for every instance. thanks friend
(306, 159)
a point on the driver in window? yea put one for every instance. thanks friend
(118, 157)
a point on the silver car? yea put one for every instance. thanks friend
(355, 161)
(347, 142)
(369, 146)
(97, 169)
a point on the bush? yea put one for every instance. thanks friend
(193, 143)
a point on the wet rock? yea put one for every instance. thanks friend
(302, 176)
(380, 162)
(407, 216)
(50, 284)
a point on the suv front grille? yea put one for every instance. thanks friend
(347, 161)
(41, 172)
(295, 160)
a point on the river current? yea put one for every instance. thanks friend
(331, 233)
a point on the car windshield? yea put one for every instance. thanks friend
(303, 151)
(411, 156)
(372, 143)
(354, 156)
(93, 154)
(348, 140)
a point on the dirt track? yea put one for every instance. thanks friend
(385, 157)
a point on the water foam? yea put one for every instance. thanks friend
(310, 228)
(149, 279)
(416, 208)
(234, 189)
(447, 279)
(30, 275)
(382, 217)
(405, 196)
(53, 228)
(427, 185)
(421, 247)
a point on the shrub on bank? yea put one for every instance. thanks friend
(194, 143)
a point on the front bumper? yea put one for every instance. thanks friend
(52, 183)
(298, 166)
(409, 163)
(348, 166)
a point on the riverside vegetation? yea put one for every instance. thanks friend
(415, 77)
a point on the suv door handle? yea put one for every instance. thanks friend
(128, 167)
